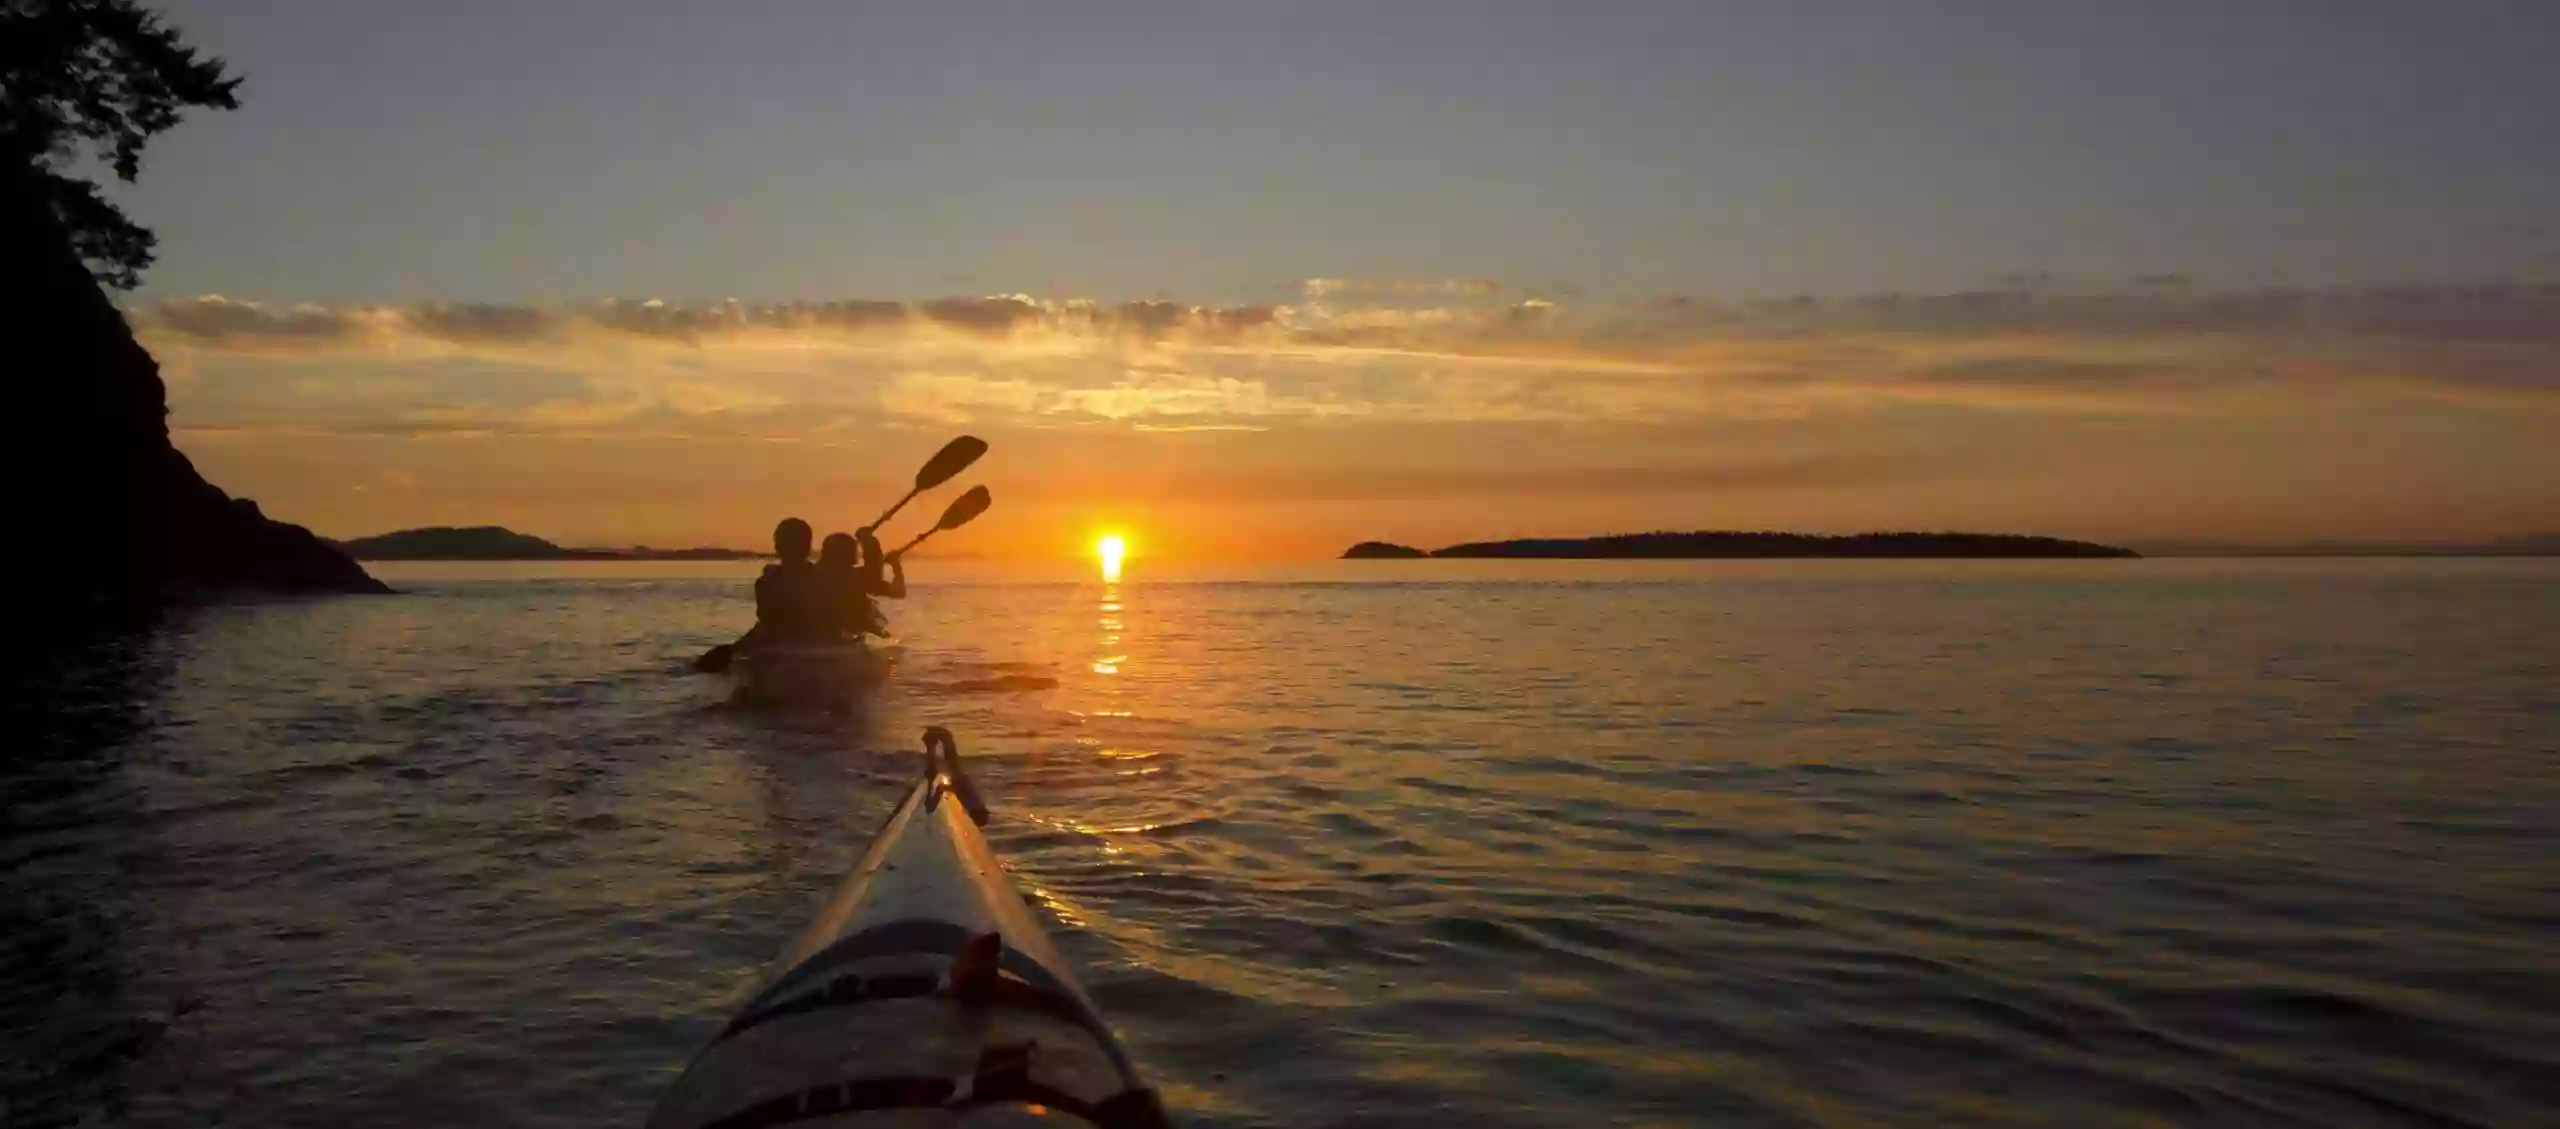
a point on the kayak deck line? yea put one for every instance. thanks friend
(1034, 990)
(924, 994)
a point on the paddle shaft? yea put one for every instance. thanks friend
(893, 510)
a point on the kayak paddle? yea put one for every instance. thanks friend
(946, 464)
(964, 509)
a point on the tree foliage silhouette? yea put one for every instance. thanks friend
(92, 81)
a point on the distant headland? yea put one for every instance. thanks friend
(1723, 544)
(2522, 545)
(496, 543)
(1382, 551)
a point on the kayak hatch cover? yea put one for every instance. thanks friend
(924, 994)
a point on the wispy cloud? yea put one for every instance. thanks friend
(1437, 351)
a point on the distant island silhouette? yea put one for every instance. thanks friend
(2522, 545)
(497, 543)
(1381, 551)
(1731, 544)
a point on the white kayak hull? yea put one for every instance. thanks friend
(924, 994)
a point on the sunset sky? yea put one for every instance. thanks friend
(1265, 279)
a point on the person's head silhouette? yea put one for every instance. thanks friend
(791, 540)
(838, 552)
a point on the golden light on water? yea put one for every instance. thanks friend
(1111, 549)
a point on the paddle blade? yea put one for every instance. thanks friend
(954, 457)
(965, 508)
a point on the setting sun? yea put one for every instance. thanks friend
(1110, 548)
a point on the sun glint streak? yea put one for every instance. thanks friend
(1111, 550)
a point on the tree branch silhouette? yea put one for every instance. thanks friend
(91, 82)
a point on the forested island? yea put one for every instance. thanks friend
(2522, 545)
(1730, 544)
(497, 543)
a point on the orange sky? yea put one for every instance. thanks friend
(1419, 411)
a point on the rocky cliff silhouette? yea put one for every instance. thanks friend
(111, 514)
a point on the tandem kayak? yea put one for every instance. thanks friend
(924, 994)
(817, 674)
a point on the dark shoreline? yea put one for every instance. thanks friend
(1731, 545)
(497, 543)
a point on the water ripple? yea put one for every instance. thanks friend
(1775, 845)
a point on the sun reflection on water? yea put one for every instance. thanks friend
(1108, 660)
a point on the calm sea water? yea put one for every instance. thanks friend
(1837, 844)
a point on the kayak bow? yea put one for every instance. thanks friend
(924, 994)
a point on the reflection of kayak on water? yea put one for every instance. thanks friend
(924, 994)
(820, 674)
